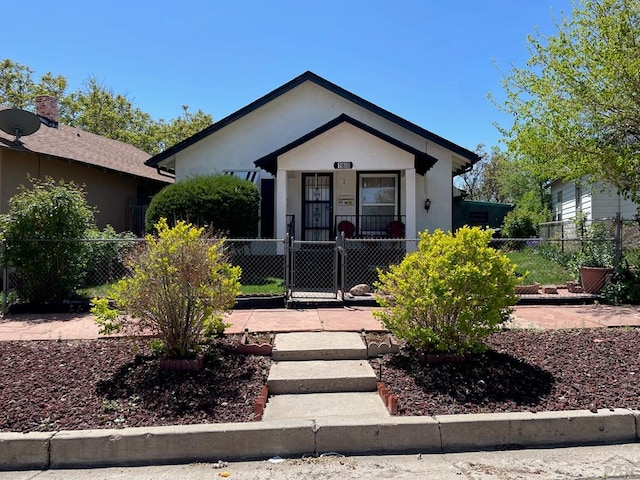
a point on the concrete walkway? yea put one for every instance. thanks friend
(81, 326)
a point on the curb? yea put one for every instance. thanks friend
(348, 435)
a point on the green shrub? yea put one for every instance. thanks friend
(106, 253)
(179, 289)
(41, 233)
(449, 294)
(552, 251)
(222, 202)
(520, 223)
(623, 287)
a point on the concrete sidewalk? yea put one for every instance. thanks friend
(79, 326)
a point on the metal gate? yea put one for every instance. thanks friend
(312, 270)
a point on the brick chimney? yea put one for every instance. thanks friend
(47, 110)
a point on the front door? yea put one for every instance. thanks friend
(317, 206)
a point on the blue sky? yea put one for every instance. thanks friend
(432, 62)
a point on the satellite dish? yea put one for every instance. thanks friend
(18, 122)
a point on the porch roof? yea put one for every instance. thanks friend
(423, 161)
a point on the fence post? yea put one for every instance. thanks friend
(287, 267)
(336, 260)
(618, 238)
(5, 281)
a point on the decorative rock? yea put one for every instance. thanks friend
(360, 290)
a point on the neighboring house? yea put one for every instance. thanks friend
(326, 161)
(595, 201)
(113, 173)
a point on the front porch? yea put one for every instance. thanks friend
(354, 227)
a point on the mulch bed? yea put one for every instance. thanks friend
(524, 371)
(56, 385)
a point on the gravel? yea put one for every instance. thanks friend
(110, 383)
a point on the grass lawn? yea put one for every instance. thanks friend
(269, 285)
(541, 270)
(99, 291)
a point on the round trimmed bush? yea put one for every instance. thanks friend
(451, 293)
(224, 203)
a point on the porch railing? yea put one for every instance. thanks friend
(370, 226)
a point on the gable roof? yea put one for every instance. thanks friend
(423, 161)
(312, 77)
(77, 145)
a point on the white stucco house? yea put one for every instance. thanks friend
(595, 201)
(327, 160)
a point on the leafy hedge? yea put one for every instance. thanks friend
(42, 233)
(225, 203)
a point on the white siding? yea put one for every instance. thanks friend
(607, 203)
(597, 201)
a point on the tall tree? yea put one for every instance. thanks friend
(177, 129)
(576, 105)
(18, 87)
(96, 108)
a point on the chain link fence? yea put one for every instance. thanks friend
(82, 269)
(362, 258)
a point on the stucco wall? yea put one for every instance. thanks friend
(345, 143)
(437, 186)
(107, 191)
(274, 125)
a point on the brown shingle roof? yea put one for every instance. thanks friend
(84, 147)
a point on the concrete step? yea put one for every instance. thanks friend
(321, 376)
(300, 346)
(312, 406)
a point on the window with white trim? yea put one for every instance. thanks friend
(378, 201)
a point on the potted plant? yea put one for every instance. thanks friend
(596, 259)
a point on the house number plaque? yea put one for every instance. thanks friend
(343, 165)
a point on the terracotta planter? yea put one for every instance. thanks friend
(594, 278)
(182, 364)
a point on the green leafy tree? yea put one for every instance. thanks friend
(41, 233)
(449, 294)
(18, 87)
(97, 108)
(179, 288)
(222, 202)
(575, 105)
(179, 128)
